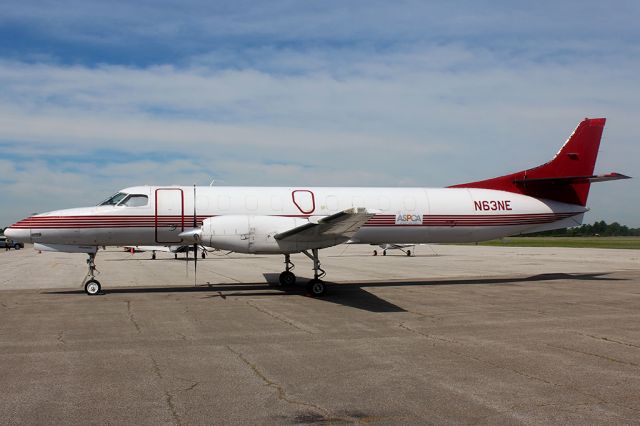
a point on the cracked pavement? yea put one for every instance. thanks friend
(555, 342)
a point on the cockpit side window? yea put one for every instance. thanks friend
(135, 200)
(114, 200)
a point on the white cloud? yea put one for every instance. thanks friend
(422, 115)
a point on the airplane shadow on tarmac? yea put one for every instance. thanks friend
(351, 294)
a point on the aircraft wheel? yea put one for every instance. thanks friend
(375, 252)
(287, 278)
(153, 255)
(384, 252)
(175, 255)
(92, 287)
(316, 288)
(409, 253)
(204, 254)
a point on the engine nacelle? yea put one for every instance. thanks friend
(248, 234)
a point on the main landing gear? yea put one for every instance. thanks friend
(315, 287)
(91, 285)
(287, 278)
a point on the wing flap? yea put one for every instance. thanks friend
(341, 225)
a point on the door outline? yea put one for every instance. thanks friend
(313, 201)
(181, 221)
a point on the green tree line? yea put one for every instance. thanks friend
(600, 228)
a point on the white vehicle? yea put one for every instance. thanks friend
(286, 220)
(405, 248)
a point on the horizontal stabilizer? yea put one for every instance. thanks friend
(608, 177)
(571, 179)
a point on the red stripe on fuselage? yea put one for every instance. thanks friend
(88, 222)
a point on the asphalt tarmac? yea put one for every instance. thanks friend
(454, 335)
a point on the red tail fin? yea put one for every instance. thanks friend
(566, 178)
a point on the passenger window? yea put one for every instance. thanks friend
(409, 203)
(223, 203)
(276, 204)
(251, 203)
(383, 204)
(135, 201)
(332, 203)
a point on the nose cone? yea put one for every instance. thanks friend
(21, 235)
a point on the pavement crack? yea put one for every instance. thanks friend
(172, 408)
(156, 367)
(277, 317)
(168, 396)
(428, 336)
(606, 339)
(131, 317)
(190, 388)
(633, 364)
(281, 393)
(521, 373)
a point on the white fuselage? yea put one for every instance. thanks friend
(402, 215)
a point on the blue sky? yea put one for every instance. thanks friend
(102, 95)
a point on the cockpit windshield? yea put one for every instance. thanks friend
(135, 200)
(112, 201)
(126, 200)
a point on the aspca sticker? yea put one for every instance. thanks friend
(408, 219)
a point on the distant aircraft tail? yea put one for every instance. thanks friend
(567, 178)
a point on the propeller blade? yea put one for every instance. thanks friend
(195, 244)
(195, 264)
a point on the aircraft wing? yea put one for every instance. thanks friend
(339, 226)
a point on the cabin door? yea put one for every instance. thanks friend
(169, 218)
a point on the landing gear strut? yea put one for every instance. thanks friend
(316, 287)
(91, 285)
(288, 278)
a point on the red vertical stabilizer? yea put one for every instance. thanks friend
(567, 178)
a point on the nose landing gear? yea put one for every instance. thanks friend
(91, 285)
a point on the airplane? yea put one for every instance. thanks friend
(288, 220)
(405, 248)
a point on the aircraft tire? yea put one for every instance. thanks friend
(316, 288)
(384, 252)
(409, 253)
(287, 278)
(92, 287)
